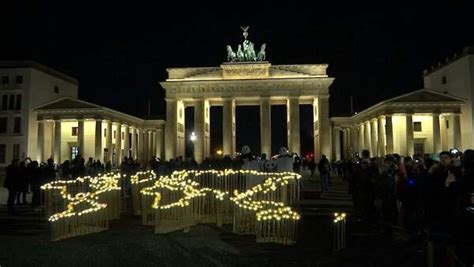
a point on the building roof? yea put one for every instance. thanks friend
(38, 66)
(468, 50)
(423, 100)
(68, 103)
(424, 95)
(70, 107)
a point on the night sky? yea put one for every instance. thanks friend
(119, 52)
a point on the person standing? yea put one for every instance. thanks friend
(323, 168)
(12, 183)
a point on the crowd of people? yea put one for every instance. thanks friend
(428, 197)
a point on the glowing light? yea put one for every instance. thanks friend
(193, 137)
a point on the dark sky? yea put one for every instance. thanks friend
(119, 52)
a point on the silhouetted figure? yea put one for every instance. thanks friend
(323, 168)
(35, 178)
(23, 182)
(12, 183)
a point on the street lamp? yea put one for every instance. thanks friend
(192, 137)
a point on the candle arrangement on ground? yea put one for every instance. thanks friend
(253, 202)
(339, 231)
(186, 198)
(82, 206)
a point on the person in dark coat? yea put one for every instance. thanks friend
(35, 183)
(324, 169)
(441, 209)
(12, 183)
(23, 183)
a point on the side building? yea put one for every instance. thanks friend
(421, 122)
(25, 85)
(42, 117)
(456, 77)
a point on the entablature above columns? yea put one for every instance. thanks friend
(248, 88)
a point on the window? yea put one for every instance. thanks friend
(17, 128)
(447, 124)
(74, 151)
(18, 102)
(16, 151)
(5, 80)
(3, 149)
(75, 130)
(4, 102)
(122, 135)
(105, 132)
(417, 126)
(11, 103)
(115, 134)
(444, 80)
(19, 79)
(56, 90)
(3, 125)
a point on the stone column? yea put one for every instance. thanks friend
(199, 111)
(57, 141)
(336, 133)
(126, 141)
(381, 134)
(98, 149)
(323, 117)
(361, 138)
(436, 133)
(293, 115)
(344, 143)
(265, 126)
(159, 144)
(133, 141)
(354, 141)
(80, 137)
(367, 140)
(228, 129)
(141, 144)
(373, 137)
(145, 143)
(151, 140)
(457, 131)
(108, 141)
(153, 144)
(171, 129)
(348, 143)
(40, 142)
(118, 145)
(409, 133)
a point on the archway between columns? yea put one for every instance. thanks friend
(247, 120)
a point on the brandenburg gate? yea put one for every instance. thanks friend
(245, 80)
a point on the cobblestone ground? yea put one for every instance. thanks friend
(24, 241)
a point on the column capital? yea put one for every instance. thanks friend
(171, 100)
(293, 97)
(323, 96)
